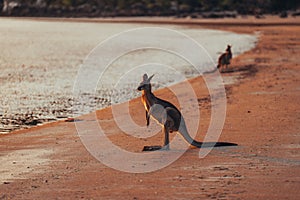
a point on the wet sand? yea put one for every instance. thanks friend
(262, 118)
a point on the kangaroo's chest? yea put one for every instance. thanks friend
(154, 110)
(145, 102)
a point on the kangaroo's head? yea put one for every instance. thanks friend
(228, 48)
(145, 84)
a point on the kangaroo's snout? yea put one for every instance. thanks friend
(140, 88)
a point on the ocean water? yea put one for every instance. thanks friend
(45, 64)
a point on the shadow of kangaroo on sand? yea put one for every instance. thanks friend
(204, 145)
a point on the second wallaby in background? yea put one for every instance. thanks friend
(224, 59)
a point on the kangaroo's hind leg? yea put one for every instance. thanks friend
(221, 67)
(168, 121)
(166, 139)
(166, 142)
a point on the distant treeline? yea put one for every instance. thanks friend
(180, 8)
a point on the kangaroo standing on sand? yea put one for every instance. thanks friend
(225, 58)
(168, 116)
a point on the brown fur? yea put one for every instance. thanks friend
(224, 59)
(168, 116)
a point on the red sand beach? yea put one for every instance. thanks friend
(50, 162)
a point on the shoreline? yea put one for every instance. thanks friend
(268, 20)
(259, 119)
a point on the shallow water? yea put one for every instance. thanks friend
(40, 60)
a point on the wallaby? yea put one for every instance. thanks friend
(167, 115)
(224, 59)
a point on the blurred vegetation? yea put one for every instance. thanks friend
(192, 8)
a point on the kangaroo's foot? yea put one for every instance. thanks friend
(165, 148)
(156, 148)
(152, 148)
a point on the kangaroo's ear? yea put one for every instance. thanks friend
(149, 79)
(145, 77)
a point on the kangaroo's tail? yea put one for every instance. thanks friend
(183, 131)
